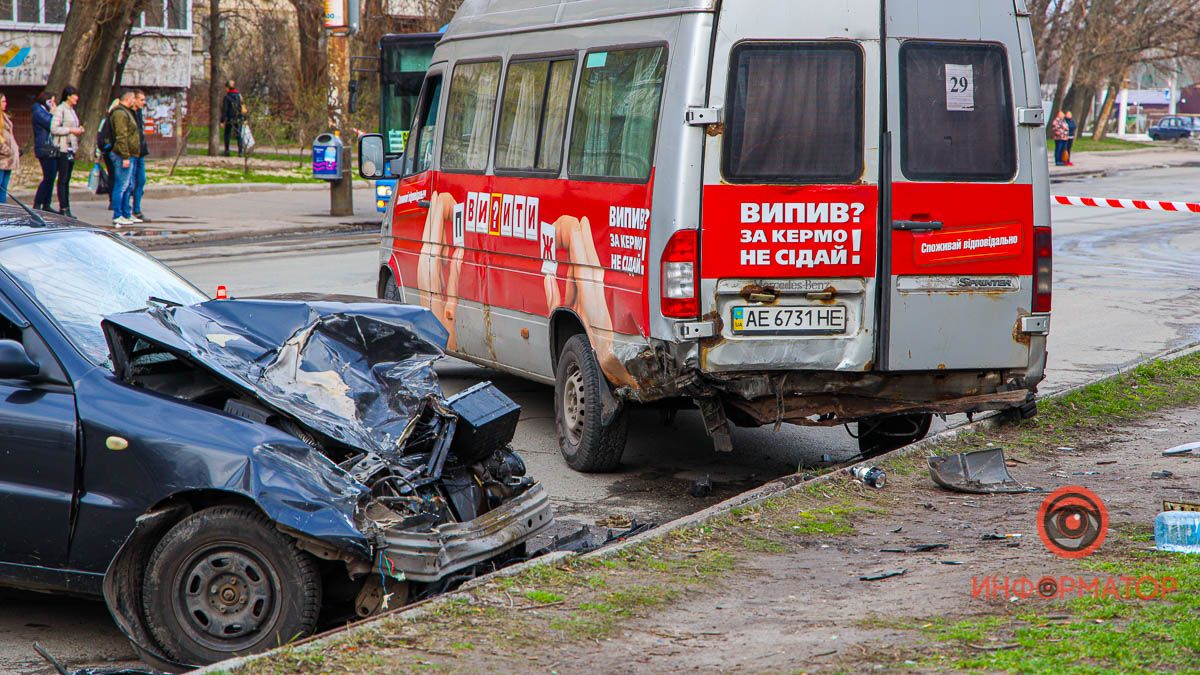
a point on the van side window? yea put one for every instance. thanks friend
(469, 116)
(419, 153)
(533, 115)
(795, 113)
(616, 114)
(956, 112)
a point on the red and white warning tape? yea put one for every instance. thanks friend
(1139, 204)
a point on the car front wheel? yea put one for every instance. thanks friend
(225, 582)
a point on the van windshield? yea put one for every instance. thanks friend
(956, 112)
(795, 113)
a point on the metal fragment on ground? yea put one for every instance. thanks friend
(981, 472)
(886, 574)
(1181, 450)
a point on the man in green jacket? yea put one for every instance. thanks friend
(127, 144)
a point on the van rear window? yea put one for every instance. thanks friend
(616, 114)
(795, 113)
(956, 112)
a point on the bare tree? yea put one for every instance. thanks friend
(216, 51)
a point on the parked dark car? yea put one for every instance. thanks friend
(1172, 128)
(228, 474)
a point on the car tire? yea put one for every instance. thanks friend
(1154, 137)
(225, 582)
(391, 290)
(884, 434)
(588, 445)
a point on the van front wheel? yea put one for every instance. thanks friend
(587, 443)
(884, 434)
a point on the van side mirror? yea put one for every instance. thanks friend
(15, 364)
(374, 161)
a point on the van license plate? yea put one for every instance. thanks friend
(821, 320)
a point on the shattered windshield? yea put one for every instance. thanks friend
(81, 276)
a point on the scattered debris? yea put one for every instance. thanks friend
(1111, 461)
(1014, 462)
(1180, 506)
(1162, 475)
(616, 522)
(919, 548)
(897, 530)
(992, 536)
(994, 648)
(886, 574)
(61, 670)
(701, 488)
(952, 562)
(1181, 450)
(870, 476)
(981, 472)
(1065, 448)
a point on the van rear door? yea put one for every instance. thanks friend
(959, 254)
(790, 204)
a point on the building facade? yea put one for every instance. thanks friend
(159, 62)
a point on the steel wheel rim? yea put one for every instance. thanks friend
(225, 595)
(573, 404)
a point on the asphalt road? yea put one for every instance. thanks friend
(1127, 286)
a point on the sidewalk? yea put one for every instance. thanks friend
(1091, 163)
(208, 213)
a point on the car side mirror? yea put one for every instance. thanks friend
(15, 364)
(374, 161)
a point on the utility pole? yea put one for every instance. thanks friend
(339, 27)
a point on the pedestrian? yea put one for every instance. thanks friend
(1062, 134)
(139, 162)
(126, 146)
(1071, 129)
(104, 143)
(233, 114)
(44, 149)
(66, 130)
(10, 152)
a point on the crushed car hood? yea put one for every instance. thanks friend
(355, 370)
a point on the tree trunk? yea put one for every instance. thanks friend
(1102, 124)
(95, 82)
(310, 22)
(75, 48)
(215, 89)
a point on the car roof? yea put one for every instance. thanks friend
(15, 222)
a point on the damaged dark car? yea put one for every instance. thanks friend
(231, 475)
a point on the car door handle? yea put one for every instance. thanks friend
(917, 225)
(424, 204)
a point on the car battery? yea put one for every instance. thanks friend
(487, 422)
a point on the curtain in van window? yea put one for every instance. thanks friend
(795, 113)
(616, 115)
(956, 112)
(521, 115)
(469, 116)
(533, 115)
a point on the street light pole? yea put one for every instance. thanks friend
(341, 192)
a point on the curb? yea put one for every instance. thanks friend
(82, 194)
(161, 241)
(776, 488)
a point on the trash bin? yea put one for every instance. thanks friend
(328, 154)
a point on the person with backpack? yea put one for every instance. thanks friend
(44, 149)
(233, 114)
(66, 130)
(103, 151)
(127, 144)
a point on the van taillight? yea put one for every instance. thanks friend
(680, 276)
(1043, 269)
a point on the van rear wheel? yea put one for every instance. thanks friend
(884, 434)
(587, 443)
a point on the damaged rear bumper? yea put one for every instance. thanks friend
(449, 548)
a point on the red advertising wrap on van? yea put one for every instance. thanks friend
(761, 231)
(530, 245)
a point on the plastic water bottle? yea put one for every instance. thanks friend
(1178, 532)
